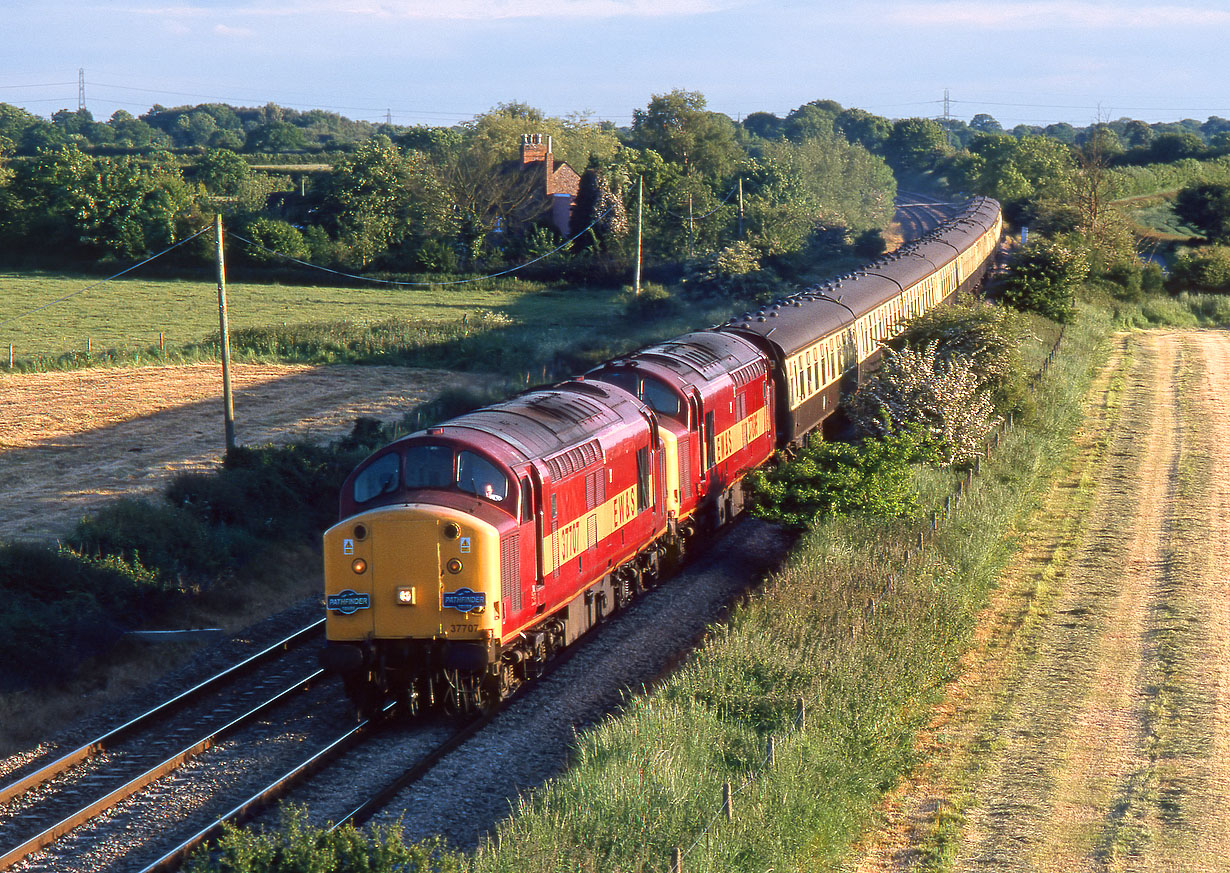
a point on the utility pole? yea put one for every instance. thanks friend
(227, 400)
(740, 207)
(640, 204)
(947, 107)
(691, 229)
(80, 89)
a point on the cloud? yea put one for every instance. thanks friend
(1053, 15)
(236, 32)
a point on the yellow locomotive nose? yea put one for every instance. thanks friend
(412, 573)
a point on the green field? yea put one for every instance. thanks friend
(128, 314)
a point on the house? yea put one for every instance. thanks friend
(556, 186)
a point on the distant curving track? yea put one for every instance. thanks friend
(919, 214)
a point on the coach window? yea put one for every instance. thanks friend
(476, 475)
(381, 477)
(429, 467)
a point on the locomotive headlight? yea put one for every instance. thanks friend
(405, 596)
(453, 566)
(359, 565)
(452, 531)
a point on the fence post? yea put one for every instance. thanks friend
(161, 345)
(10, 356)
(677, 860)
(769, 751)
(800, 713)
(728, 802)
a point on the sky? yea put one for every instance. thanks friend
(440, 62)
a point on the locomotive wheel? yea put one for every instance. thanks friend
(366, 695)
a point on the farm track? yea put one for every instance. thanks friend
(1090, 729)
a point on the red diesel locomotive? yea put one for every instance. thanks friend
(470, 553)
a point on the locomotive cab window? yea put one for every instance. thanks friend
(429, 467)
(476, 475)
(658, 396)
(381, 477)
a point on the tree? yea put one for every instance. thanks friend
(376, 197)
(1011, 169)
(106, 207)
(275, 137)
(915, 144)
(942, 395)
(765, 125)
(811, 120)
(869, 131)
(1206, 207)
(679, 128)
(983, 123)
(1043, 278)
(222, 171)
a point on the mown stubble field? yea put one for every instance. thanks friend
(1090, 728)
(70, 441)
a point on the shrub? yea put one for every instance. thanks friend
(182, 550)
(655, 301)
(918, 387)
(297, 846)
(835, 478)
(62, 607)
(988, 337)
(1206, 269)
(1207, 208)
(1043, 278)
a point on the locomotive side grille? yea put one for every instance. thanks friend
(685, 467)
(510, 572)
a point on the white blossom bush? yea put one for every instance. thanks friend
(944, 396)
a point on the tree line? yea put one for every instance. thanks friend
(723, 201)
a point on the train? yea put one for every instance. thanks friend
(470, 553)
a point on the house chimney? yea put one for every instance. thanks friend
(533, 149)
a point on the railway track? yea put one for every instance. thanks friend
(919, 214)
(54, 799)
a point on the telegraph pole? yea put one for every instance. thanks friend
(691, 229)
(740, 207)
(227, 400)
(80, 88)
(640, 203)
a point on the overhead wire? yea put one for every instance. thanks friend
(81, 291)
(399, 283)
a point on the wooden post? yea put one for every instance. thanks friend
(161, 345)
(740, 207)
(800, 713)
(768, 756)
(728, 802)
(677, 860)
(224, 329)
(88, 345)
(691, 229)
(640, 203)
(10, 356)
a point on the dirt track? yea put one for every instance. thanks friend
(70, 441)
(1090, 730)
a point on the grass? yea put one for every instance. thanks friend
(128, 314)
